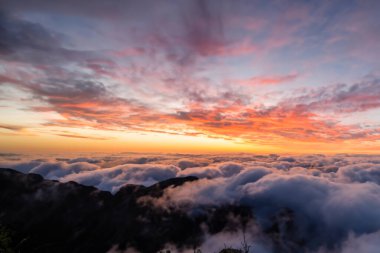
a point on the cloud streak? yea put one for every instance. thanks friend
(269, 80)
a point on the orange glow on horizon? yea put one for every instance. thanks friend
(113, 141)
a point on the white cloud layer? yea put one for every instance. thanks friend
(329, 203)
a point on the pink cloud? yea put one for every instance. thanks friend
(269, 80)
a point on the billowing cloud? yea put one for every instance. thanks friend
(368, 243)
(112, 179)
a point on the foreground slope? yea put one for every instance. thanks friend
(49, 216)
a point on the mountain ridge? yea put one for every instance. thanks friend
(50, 216)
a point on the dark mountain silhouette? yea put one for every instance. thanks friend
(49, 216)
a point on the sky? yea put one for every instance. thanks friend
(190, 76)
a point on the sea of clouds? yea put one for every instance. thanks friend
(333, 201)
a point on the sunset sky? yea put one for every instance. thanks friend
(190, 76)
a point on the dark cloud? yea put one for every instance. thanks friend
(19, 35)
(203, 27)
(95, 9)
(30, 42)
(82, 136)
(341, 98)
(12, 127)
(81, 101)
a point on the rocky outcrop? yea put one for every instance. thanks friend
(49, 216)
